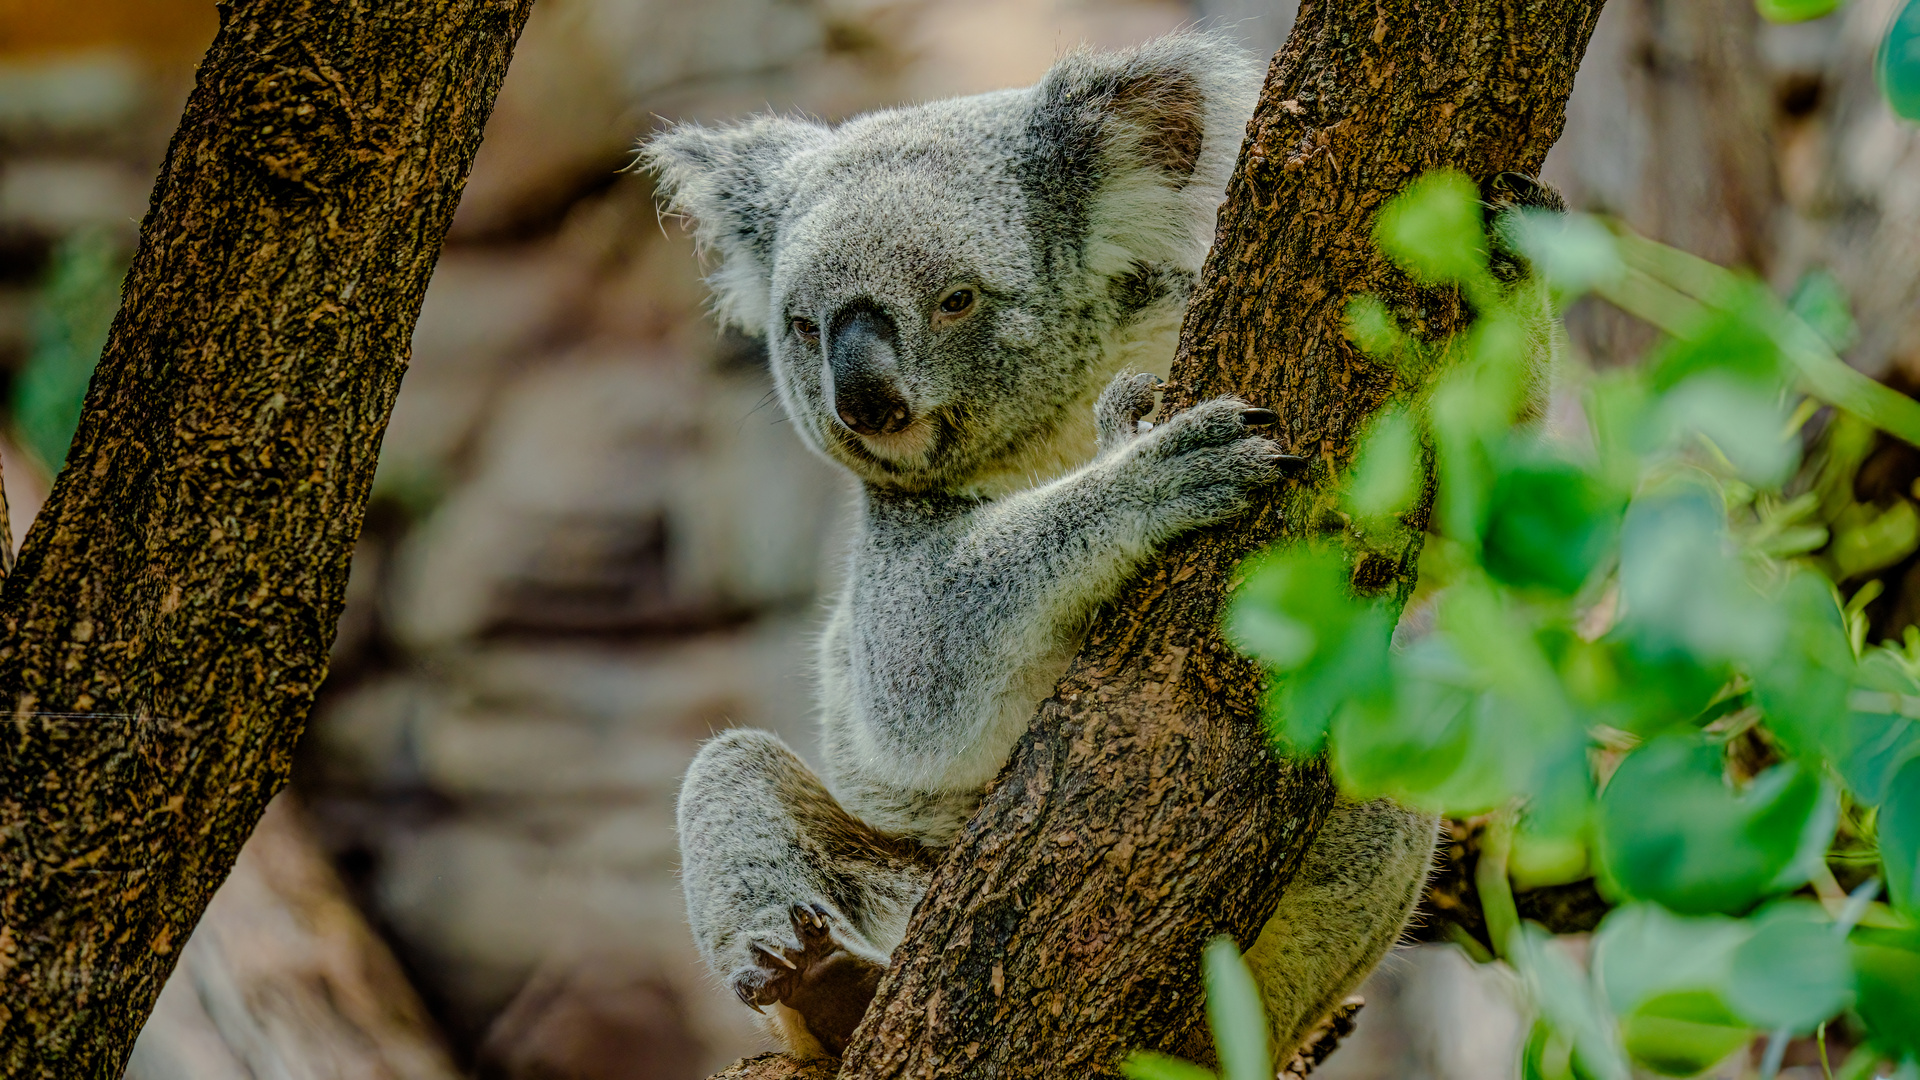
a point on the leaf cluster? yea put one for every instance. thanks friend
(1634, 652)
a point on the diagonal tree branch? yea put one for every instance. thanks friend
(171, 613)
(1140, 815)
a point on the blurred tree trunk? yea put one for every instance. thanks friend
(1141, 814)
(284, 978)
(170, 615)
(1672, 131)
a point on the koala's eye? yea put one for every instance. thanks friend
(954, 306)
(806, 328)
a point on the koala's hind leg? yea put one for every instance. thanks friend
(1346, 906)
(794, 902)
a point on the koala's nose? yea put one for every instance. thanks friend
(863, 372)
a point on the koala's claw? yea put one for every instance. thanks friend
(820, 979)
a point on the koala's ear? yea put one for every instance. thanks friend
(734, 183)
(1137, 145)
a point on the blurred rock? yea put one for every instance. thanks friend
(1870, 201)
(593, 1019)
(283, 978)
(88, 94)
(1433, 1014)
(61, 195)
(619, 492)
(554, 769)
(589, 75)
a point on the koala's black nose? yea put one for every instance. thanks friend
(863, 371)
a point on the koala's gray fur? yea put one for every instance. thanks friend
(945, 290)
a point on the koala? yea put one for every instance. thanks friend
(968, 305)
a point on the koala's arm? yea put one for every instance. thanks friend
(961, 616)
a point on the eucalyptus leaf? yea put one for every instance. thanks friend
(1234, 1012)
(1793, 973)
(1897, 64)
(1568, 1004)
(1147, 1065)
(1899, 828)
(1296, 611)
(1887, 969)
(1433, 229)
(1709, 848)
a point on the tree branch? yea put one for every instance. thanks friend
(1140, 815)
(171, 612)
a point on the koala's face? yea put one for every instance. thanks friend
(940, 286)
(911, 335)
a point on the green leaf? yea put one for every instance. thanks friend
(1643, 951)
(1821, 302)
(1794, 972)
(1803, 683)
(1886, 964)
(1549, 523)
(1733, 342)
(1433, 229)
(1372, 327)
(1793, 11)
(1682, 1033)
(1297, 612)
(1898, 62)
(1878, 542)
(1572, 251)
(70, 326)
(1682, 589)
(1743, 421)
(1388, 476)
(1709, 848)
(1147, 1065)
(1876, 734)
(1567, 1004)
(1234, 1012)
(1899, 828)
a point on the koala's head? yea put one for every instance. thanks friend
(941, 286)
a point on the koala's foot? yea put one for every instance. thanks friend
(1127, 400)
(812, 974)
(1202, 466)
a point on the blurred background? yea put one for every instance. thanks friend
(594, 541)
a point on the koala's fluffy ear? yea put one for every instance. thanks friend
(1135, 147)
(732, 181)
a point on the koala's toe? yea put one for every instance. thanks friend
(1131, 396)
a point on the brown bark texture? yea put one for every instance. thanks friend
(284, 978)
(1142, 814)
(171, 612)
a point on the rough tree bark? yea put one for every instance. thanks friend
(1141, 815)
(170, 615)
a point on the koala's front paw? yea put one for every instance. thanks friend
(812, 973)
(1202, 466)
(1127, 400)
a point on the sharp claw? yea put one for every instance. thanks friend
(1259, 417)
(1289, 459)
(791, 966)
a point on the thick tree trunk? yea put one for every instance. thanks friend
(1141, 815)
(284, 978)
(171, 612)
